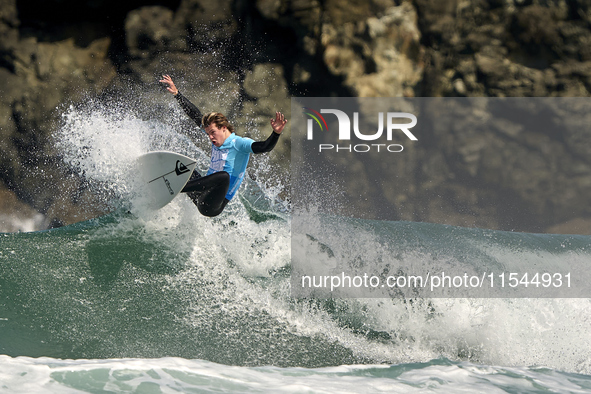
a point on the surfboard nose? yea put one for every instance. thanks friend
(157, 169)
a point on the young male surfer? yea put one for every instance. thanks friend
(229, 155)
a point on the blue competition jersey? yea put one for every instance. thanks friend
(231, 157)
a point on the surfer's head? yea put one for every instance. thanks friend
(217, 127)
(218, 119)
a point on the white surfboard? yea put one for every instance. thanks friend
(165, 174)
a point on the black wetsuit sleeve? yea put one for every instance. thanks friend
(190, 109)
(267, 145)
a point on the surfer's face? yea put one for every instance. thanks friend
(217, 135)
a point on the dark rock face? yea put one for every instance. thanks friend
(512, 49)
(260, 53)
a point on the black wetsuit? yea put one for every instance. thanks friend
(209, 193)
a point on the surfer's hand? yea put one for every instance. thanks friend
(171, 88)
(278, 123)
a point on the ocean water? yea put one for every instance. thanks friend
(169, 301)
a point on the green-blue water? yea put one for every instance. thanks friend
(123, 303)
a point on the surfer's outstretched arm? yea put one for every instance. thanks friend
(266, 146)
(190, 109)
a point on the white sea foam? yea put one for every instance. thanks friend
(14, 223)
(173, 375)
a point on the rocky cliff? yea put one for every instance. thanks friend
(261, 53)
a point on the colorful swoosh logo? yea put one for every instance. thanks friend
(316, 116)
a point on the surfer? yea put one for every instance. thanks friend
(229, 155)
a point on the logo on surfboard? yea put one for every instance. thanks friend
(168, 186)
(180, 168)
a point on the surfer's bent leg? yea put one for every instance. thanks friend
(208, 192)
